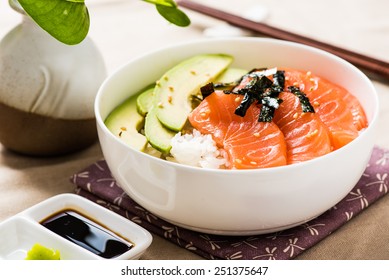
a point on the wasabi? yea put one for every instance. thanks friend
(39, 252)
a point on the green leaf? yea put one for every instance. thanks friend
(66, 20)
(173, 15)
(168, 3)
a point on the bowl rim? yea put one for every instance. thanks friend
(291, 167)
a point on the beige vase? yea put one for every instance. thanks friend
(47, 91)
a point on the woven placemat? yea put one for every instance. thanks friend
(96, 183)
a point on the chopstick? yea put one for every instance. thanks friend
(372, 66)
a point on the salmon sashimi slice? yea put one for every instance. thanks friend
(352, 103)
(359, 116)
(255, 145)
(306, 136)
(329, 105)
(247, 142)
(213, 115)
(286, 117)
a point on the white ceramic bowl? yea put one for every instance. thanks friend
(236, 202)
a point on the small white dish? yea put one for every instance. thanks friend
(20, 232)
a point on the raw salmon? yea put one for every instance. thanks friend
(306, 136)
(359, 116)
(301, 129)
(331, 105)
(248, 143)
(258, 145)
(213, 115)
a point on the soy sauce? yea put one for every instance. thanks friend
(87, 234)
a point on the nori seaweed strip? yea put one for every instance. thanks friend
(264, 83)
(207, 90)
(270, 102)
(279, 78)
(257, 88)
(248, 91)
(227, 85)
(304, 100)
(233, 90)
(253, 91)
(257, 70)
(244, 104)
(266, 114)
(249, 86)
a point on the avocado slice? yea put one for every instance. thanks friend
(156, 133)
(125, 122)
(174, 90)
(231, 75)
(160, 136)
(145, 101)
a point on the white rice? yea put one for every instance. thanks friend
(197, 149)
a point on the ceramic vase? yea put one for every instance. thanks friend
(47, 91)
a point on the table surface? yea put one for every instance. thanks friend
(124, 29)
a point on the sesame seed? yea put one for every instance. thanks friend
(205, 113)
(296, 115)
(253, 162)
(238, 160)
(169, 98)
(256, 134)
(123, 128)
(309, 73)
(237, 99)
(171, 88)
(311, 88)
(316, 103)
(295, 84)
(286, 78)
(160, 105)
(193, 72)
(311, 134)
(312, 79)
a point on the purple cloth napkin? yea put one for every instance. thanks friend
(96, 183)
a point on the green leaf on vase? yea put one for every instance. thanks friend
(173, 15)
(168, 3)
(66, 20)
(169, 10)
